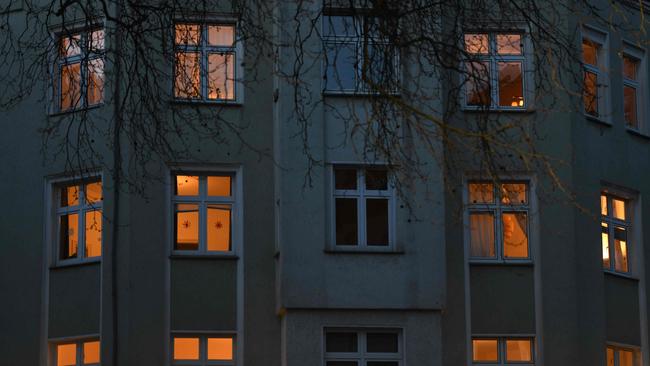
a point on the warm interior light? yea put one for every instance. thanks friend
(219, 186)
(219, 228)
(518, 350)
(605, 244)
(93, 233)
(187, 226)
(484, 350)
(619, 208)
(186, 348)
(187, 185)
(66, 354)
(603, 205)
(220, 349)
(91, 352)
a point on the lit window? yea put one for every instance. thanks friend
(363, 201)
(206, 61)
(203, 213)
(80, 77)
(358, 54)
(494, 70)
(622, 356)
(203, 350)
(375, 347)
(498, 220)
(503, 351)
(79, 220)
(77, 353)
(594, 61)
(615, 232)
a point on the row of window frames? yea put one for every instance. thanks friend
(362, 348)
(503, 350)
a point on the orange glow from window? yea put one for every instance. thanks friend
(219, 224)
(484, 350)
(221, 76)
(619, 208)
(220, 349)
(625, 358)
(95, 81)
(603, 205)
(188, 75)
(91, 352)
(605, 244)
(187, 226)
(66, 354)
(187, 185)
(514, 193)
(188, 34)
(219, 186)
(476, 43)
(69, 196)
(509, 44)
(70, 86)
(221, 35)
(69, 235)
(94, 192)
(481, 193)
(186, 348)
(94, 233)
(518, 350)
(610, 356)
(515, 235)
(589, 52)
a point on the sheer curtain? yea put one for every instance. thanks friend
(481, 234)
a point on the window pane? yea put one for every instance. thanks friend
(93, 233)
(95, 81)
(515, 235)
(619, 208)
(187, 185)
(514, 193)
(188, 34)
(478, 83)
(339, 26)
(69, 196)
(221, 35)
(476, 43)
(605, 244)
(481, 227)
(629, 68)
(219, 228)
(629, 106)
(220, 349)
(376, 179)
(625, 358)
(481, 193)
(187, 82)
(382, 363)
(518, 350)
(345, 179)
(94, 192)
(66, 354)
(511, 87)
(589, 53)
(603, 205)
(509, 44)
(610, 356)
(221, 76)
(377, 221)
(341, 363)
(219, 186)
(591, 93)
(91, 352)
(620, 249)
(70, 86)
(341, 70)
(382, 343)
(378, 69)
(187, 227)
(484, 350)
(71, 46)
(346, 221)
(69, 235)
(186, 348)
(97, 40)
(341, 342)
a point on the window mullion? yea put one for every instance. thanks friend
(203, 213)
(81, 242)
(361, 208)
(499, 232)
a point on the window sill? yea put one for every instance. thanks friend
(357, 94)
(598, 120)
(75, 110)
(635, 132)
(501, 262)
(203, 102)
(203, 256)
(497, 110)
(363, 250)
(75, 263)
(620, 275)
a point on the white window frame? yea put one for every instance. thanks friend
(360, 194)
(616, 347)
(501, 349)
(358, 17)
(84, 58)
(640, 85)
(203, 348)
(362, 356)
(601, 40)
(627, 224)
(78, 342)
(204, 49)
(203, 200)
(497, 208)
(492, 58)
(81, 210)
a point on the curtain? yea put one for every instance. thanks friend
(481, 234)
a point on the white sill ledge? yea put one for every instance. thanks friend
(497, 110)
(635, 132)
(598, 120)
(363, 250)
(207, 103)
(75, 263)
(75, 110)
(505, 263)
(621, 275)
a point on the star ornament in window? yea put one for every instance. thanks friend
(218, 225)
(186, 224)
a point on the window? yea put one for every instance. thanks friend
(503, 351)
(79, 218)
(374, 347)
(498, 221)
(80, 70)
(206, 62)
(358, 54)
(363, 207)
(494, 70)
(198, 350)
(594, 61)
(619, 356)
(634, 86)
(615, 228)
(203, 213)
(86, 352)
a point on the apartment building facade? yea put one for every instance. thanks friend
(289, 236)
